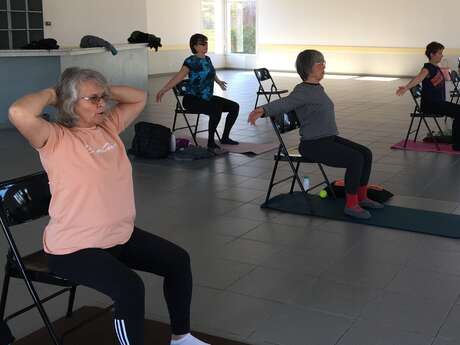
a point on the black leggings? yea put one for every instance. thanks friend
(214, 109)
(339, 152)
(448, 109)
(110, 271)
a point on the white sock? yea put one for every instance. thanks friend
(188, 340)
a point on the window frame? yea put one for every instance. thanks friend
(227, 30)
(28, 30)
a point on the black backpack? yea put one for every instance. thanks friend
(151, 140)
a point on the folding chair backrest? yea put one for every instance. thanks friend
(455, 78)
(416, 93)
(286, 122)
(24, 199)
(262, 75)
(179, 92)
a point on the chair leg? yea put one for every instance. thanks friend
(408, 132)
(418, 129)
(72, 292)
(327, 180)
(174, 122)
(293, 178)
(41, 310)
(439, 127)
(431, 133)
(190, 129)
(272, 178)
(257, 101)
(5, 287)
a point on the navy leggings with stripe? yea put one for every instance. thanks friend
(110, 271)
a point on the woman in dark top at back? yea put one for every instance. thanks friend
(434, 90)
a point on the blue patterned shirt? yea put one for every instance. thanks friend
(201, 76)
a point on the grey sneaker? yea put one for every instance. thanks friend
(357, 212)
(368, 203)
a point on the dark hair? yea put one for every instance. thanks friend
(195, 39)
(433, 48)
(305, 61)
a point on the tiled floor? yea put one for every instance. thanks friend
(272, 278)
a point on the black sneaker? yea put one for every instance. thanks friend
(216, 150)
(228, 141)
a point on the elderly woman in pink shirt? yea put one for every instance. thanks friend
(91, 238)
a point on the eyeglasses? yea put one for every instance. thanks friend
(202, 43)
(322, 63)
(95, 99)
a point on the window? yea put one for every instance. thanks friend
(241, 21)
(240, 31)
(21, 21)
(213, 24)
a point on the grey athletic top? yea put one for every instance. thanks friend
(314, 109)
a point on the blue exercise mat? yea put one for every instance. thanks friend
(393, 217)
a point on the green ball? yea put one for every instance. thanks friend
(323, 194)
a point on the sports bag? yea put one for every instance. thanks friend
(151, 140)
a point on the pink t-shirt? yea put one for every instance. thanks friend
(90, 176)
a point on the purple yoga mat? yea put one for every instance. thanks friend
(420, 146)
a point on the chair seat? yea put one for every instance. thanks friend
(426, 115)
(295, 156)
(37, 268)
(271, 92)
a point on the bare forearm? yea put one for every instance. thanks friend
(417, 80)
(173, 82)
(32, 105)
(127, 95)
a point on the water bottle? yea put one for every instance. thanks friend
(172, 145)
(306, 182)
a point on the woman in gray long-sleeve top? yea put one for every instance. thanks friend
(320, 141)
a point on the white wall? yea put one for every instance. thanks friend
(174, 21)
(390, 23)
(359, 36)
(113, 20)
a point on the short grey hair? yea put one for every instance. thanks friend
(305, 61)
(67, 92)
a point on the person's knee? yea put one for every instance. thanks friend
(235, 108)
(181, 260)
(132, 286)
(367, 154)
(183, 257)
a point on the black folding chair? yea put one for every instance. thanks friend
(284, 124)
(179, 92)
(22, 200)
(416, 93)
(455, 93)
(267, 86)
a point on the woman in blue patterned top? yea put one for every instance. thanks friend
(199, 92)
(434, 90)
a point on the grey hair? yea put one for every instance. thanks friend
(67, 92)
(305, 61)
